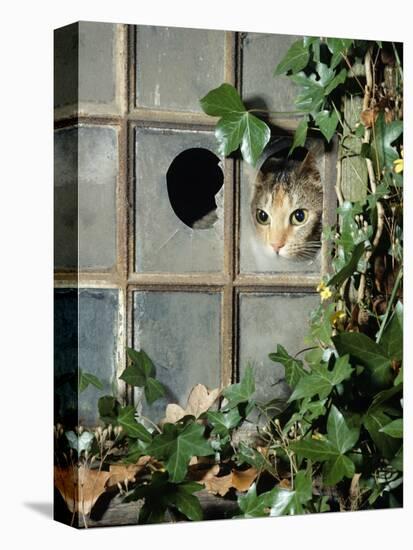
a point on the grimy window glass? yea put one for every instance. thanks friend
(137, 267)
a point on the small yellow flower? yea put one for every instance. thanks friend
(325, 292)
(337, 318)
(399, 164)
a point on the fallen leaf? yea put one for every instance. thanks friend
(126, 472)
(80, 487)
(284, 484)
(200, 400)
(242, 480)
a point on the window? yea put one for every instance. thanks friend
(192, 298)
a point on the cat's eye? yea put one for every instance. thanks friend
(299, 216)
(262, 217)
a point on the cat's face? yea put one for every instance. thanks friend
(287, 207)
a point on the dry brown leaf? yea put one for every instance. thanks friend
(209, 478)
(122, 472)
(242, 480)
(200, 399)
(80, 487)
(284, 484)
(368, 117)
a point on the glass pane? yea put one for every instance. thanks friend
(176, 67)
(164, 243)
(180, 331)
(265, 321)
(302, 244)
(85, 66)
(261, 53)
(85, 336)
(86, 166)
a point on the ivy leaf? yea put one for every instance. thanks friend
(237, 127)
(153, 390)
(315, 449)
(338, 432)
(392, 339)
(321, 381)
(127, 420)
(374, 420)
(334, 470)
(223, 422)
(222, 101)
(394, 428)
(86, 379)
(250, 456)
(241, 392)
(108, 408)
(186, 503)
(347, 271)
(340, 78)
(177, 445)
(141, 374)
(338, 47)
(293, 367)
(300, 135)
(384, 134)
(327, 122)
(295, 59)
(311, 95)
(367, 353)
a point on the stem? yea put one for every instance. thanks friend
(339, 192)
(396, 55)
(391, 301)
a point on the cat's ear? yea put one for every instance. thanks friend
(308, 167)
(270, 166)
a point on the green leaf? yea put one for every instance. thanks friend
(394, 428)
(241, 392)
(347, 271)
(134, 376)
(141, 359)
(367, 353)
(340, 78)
(293, 367)
(127, 420)
(300, 135)
(315, 449)
(108, 408)
(374, 420)
(392, 339)
(223, 422)
(86, 379)
(339, 433)
(295, 59)
(177, 445)
(327, 122)
(338, 47)
(187, 504)
(153, 390)
(303, 486)
(254, 506)
(311, 96)
(321, 381)
(334, 470)
(222, 101)
(283, 501)
(384, 134)
(397, 461)
(250, 456)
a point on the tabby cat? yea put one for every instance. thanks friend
(287, 207)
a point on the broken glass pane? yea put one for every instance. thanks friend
(164, 243)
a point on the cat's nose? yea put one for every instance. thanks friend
(277, 246)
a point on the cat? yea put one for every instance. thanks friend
(286, 208)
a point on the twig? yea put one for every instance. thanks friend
(390, 303)
(339, 192)
(371, 175)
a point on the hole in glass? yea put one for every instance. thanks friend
(193, 179)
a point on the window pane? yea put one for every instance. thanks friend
(86, 326)
(180, 331)
(265, 321)
(261, 53)
(164, 243)
(86, 165)
(176, 67)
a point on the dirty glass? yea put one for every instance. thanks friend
(261, 53)
(176, 67)
(164, 243)
(85, 332)
(265, 321)
(86, 166)
(255, 257)
(180, 331)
